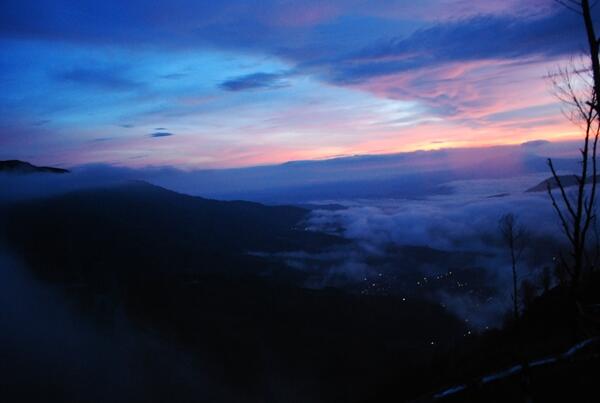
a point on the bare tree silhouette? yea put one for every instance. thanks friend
(578, 88)
(513, 235)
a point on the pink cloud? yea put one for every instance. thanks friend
(454, 9)
(470, 92)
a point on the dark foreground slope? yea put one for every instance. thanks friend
(175, 310)
(562, 349)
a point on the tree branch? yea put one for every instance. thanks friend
(562, 189)
(568, 6)
(563, 221)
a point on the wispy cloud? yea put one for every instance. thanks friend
(108, 78)
(161, 134)
(254, 81)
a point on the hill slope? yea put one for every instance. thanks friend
(22, 167)
(176, 268)
(140, 228)
(565, 180)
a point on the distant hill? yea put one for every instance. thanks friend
(140, 228)
(328, 206)
(22, 167)
(565, 180)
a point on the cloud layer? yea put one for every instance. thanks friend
(410, 216)
(409, 247)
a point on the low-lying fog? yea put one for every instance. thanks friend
(421, 224)
(449, 244)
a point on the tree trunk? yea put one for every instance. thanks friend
(593, 45)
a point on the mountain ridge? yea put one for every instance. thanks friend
(23, 167)
(565, 180)
(89, 232)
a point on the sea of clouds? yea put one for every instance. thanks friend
(447, 200)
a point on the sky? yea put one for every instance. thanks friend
(203, 84)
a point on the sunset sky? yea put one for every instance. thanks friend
(230, 83)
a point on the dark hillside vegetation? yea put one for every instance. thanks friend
(139, 229)
(547, 338)
(175, 268)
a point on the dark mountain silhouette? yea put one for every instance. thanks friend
(22, 167)
(140, 228)
(565, 180)
(176, 266)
